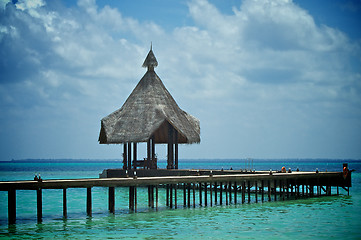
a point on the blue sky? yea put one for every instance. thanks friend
(267, 79)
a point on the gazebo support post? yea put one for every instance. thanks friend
(148, 153)
(176, 148)
(153, 165)
(129, 155)
(125, 157)
(134, 155)
(170, 147)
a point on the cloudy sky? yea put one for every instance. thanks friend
(267, 79)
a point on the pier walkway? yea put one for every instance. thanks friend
(207, 187)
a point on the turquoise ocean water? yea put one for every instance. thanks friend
(331, 217)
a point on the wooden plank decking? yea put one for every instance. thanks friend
(333, 178)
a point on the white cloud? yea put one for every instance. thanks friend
(264, 78)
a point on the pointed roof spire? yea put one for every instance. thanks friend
(150, 61)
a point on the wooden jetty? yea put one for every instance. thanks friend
(150, 115)
(200, 188)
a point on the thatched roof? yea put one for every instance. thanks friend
(147, 112)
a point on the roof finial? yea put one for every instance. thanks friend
(150, 61)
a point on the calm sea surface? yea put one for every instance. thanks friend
(332, 217)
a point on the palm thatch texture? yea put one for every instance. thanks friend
(150, 113)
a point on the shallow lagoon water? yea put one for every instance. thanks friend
(330, 217)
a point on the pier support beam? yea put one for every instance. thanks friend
(89, 201)
(156, 197)
(12, 206)
(184, 195)
(243, 192)
(249, 191)
(256, 193)
(230, 192)
(132, 198)
(275, 189)
(171, 195)
(211, 193)
(269, 190)
(262, 190)
(205, 194)
(215, 193)
(194, 195)
(189, 194)
(175, 195)
(111, 199)
(220, 193)
(39, 198)
(235, 192)
(65, 211)
(226, 191)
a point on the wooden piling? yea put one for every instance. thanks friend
(189, 195)
(135, 199)
(39, 205)
(12, 206)
(156, 197)
(111, 199)
(230, 192)
(249, 191)
(148, 190)
(65, 212)
(211, 193)
(226, 191)
(297, 190)
(256, 188)
(205, 194)
(175, 196)
(262, 190)
(215, 193)
(200, 193)
(269, 190)
(184, 195)
(275, 189)
(220, 193)
(131, 198)
(171, 195)
(235, 192)
(167, 195)
(89, 201)
(194, 195)
(243, 192)
(287, 189)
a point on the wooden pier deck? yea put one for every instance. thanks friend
(213, 188)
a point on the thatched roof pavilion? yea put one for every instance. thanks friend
(150, 114)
